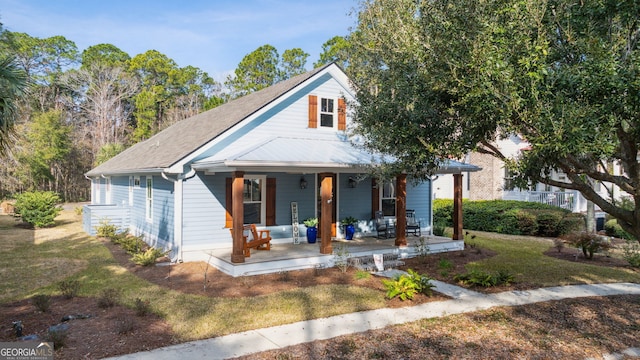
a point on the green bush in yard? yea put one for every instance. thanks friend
(612, 228)
(572, 222)
(507, 216)
(38, 208)
(549, 223)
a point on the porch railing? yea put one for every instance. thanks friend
(116, 215)
(569, 200)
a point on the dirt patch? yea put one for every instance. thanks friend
(99, 336)
(94, 337)
(568, 329)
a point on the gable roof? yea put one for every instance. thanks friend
(184, 137)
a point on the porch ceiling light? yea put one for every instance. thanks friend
(303, 183)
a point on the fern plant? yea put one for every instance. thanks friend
(406, 286)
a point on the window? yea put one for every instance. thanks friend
(97, 190)
(107, 191)
(509, 184)
(388, 198)
(326, 112)
(253, 198)
(149, 202)
(131, 184)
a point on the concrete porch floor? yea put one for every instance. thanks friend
(289, 256)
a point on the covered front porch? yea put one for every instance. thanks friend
(289, 256)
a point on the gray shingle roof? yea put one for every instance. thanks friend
(183, 138)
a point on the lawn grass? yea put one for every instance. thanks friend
(35, 261)
(524, 258)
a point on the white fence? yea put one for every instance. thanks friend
(570, 200)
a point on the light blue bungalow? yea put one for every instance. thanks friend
(271, 158)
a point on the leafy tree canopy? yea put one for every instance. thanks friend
(104, 54)
(436, 79)
(335, 50)
(263, 67)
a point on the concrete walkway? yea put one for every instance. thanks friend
(462, 301)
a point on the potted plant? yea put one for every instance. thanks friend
(348, 224)
(312, 230)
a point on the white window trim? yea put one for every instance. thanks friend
(334, 113)
(149, 199)
(381, 189)
(107, 193)
(131, 182)
(97, 194)
(263, 196)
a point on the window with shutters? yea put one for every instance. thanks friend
(253, 198)
(388, 198)
(330, 115)
(326, 112)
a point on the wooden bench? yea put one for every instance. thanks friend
(254, 238)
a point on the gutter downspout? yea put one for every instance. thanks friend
(177, 208)
(91, 181)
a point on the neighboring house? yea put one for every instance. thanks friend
(493, 181)
(247, 162)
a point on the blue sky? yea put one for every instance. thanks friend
(211, 35)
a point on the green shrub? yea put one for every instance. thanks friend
(481, 278)
(631, 253)
(69, 288)
(612, 228)
(132, 244)
(589, 243)
(443, 212)
(38, 208)
(362, 275)
(549, 223)
(572, 222)
(148, 257)
(438, 229)
(107, 230)
(406, 286)
(503, 216)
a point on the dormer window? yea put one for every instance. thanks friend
(326, 112)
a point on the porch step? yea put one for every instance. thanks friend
(367, 263)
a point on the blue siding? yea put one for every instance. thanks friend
(120, 190)
(204, 213)
(356, 201)
(419, 199)
(160, 231)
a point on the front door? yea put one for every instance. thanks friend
(334, 202)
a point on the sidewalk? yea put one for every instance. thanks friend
(462, 301)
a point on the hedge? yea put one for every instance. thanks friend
(510, 217)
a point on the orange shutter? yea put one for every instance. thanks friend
(375, 198)
(271, 202)
(342, 114)
(228, 222)
(313, 111)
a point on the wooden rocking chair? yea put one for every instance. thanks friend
(254, 238)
